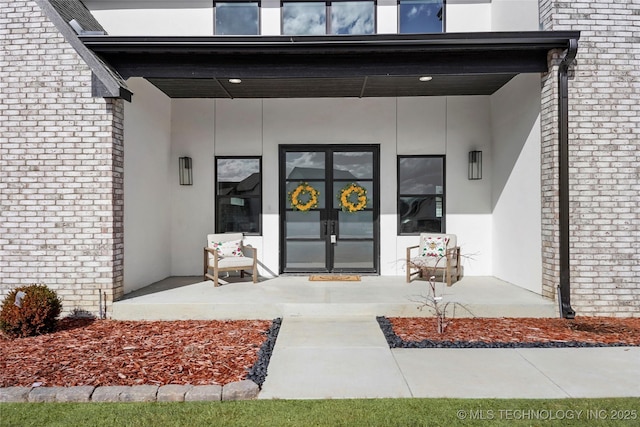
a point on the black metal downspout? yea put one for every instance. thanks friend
(564, 288)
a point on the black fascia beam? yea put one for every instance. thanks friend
(310, 65)
(328, 56)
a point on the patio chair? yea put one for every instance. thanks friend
(226, 252)
(437, 253)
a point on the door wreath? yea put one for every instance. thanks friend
(304, 197)
(353, 198)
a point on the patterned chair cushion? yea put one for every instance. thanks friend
(433, 246)
(228, 249)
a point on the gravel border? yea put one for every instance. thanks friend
(258, 371)
(240, 390)
(394, 341)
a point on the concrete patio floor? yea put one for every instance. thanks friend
(180, 298)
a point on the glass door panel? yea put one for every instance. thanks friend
(306, 256)
(303, 225)
(323, 237)
(353, 256)
(356, 225)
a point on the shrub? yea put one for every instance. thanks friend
(37, 315)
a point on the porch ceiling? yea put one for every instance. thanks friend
(330, 66)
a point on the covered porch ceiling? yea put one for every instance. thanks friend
(330, 66)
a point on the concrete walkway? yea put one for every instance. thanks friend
(348, 357)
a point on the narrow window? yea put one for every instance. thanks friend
(352, 17)
(320, 18)
(421, 16)
(421, 194)
(238, 194)
(237, 18)
(304, 18)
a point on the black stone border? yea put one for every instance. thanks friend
(394, 341)
(258, 372)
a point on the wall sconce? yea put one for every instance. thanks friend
(186, 171)
(475, 164)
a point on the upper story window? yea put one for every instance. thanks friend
(346, 17)
(237, 18)
(421, 16)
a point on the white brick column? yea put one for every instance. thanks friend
(604, 129)
(60, 166)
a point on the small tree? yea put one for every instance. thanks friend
(433, 301)
(30, 310)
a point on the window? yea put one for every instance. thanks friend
(310, 17)
(421, 16)
(238, 194)
(421, 195)
(237, 18)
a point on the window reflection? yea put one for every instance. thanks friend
(304, 18)
(420, 194)
(238, 195)
(352, 17)
(237, 18)
(356, 164)
(310, 18)
(305, 165)
(421, 16)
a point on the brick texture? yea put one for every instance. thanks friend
(61, 158)
(604, 126)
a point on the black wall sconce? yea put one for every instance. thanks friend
(475, 164)
(186, 171)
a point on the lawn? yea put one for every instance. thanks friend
(356, 412)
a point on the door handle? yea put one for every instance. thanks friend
(333, 227)
(324, 227)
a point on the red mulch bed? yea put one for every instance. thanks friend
(604, 330)
(109, 352)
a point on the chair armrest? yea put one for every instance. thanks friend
(211, 251)
(409, 251)
(453, 252)
(254, 251)
(215, 256)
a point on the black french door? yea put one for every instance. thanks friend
(317, 233)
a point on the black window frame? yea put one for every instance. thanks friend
(219, 197)
(327, 5)
(399, 195)
(215, 11)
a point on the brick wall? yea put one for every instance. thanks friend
(60, 166)
(604, 126)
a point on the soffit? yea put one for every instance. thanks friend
(330, 66)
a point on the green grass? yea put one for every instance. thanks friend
(357, 412)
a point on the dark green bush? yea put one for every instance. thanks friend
(37, 315)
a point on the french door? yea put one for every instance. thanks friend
(329, 208)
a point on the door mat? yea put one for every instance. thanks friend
(334, 278)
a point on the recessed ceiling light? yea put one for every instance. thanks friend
(235, 81)
(425, 78)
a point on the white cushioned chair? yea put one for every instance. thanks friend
(226, 252)
(437, 253)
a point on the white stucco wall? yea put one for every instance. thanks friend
(154, 18)
(387, 17)
(515, 177)
(435, 125)
(148, 169)
(514, 15)
(485, 214)
(195, 17)
(192, 207)
(464, 16)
